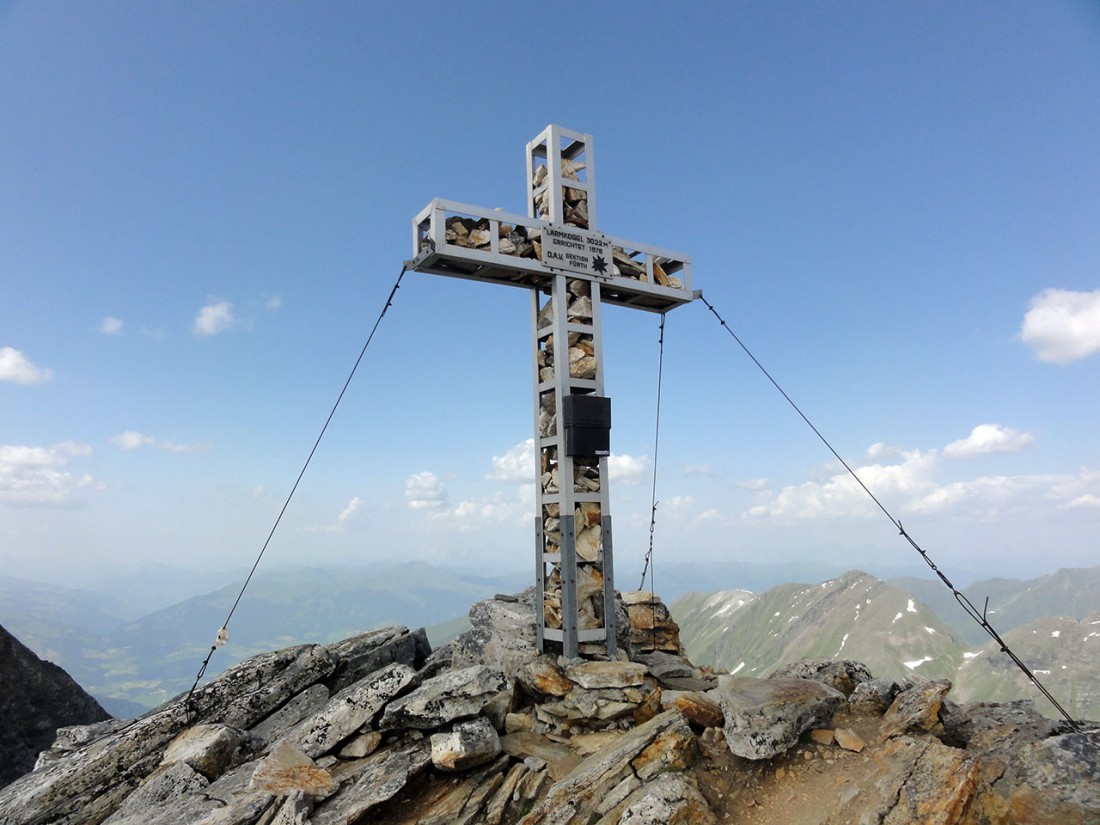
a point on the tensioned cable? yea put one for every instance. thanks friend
(656, 445)
(223, 632)
(980, 617)
(649, 566)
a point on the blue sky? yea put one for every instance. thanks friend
(203, 207)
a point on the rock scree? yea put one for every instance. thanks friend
(380, 728)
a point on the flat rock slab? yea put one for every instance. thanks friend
(349, 710)
(574, 799)
(560, 759)
(765, 717)
(286, 770)
(596, 675)
(454, 694)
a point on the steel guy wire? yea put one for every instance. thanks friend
(980, 617)
(223, 632)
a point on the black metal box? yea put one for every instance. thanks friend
(587, 425)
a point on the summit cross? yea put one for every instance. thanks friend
(571, 270)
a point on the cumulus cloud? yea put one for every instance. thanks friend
(988, 438)
(39, 476)
(1062, 325)
(16, 367)
(214, 318)
(131, 440)
(110, 326)
(627, 469)
(348, 511)
(425, 491)
(516, 465)
(841, 496)
(1085, 500)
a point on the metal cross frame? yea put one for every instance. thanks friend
(571, 270)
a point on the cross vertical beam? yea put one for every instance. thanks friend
(572, 270)
(574, 582)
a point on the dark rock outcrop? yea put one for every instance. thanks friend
(36, 698)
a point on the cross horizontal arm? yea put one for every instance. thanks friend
(464, 241)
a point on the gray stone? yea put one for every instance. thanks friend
(362, 745)
(875, 695)
(382, 777)
(451, 695)
(671, 799)
(843, 675)
(91, 783)
(362, 655)
(560, 758)
(916, 709)
(1055, 781)
(765, 717)
(467, 745)
(573, 800)
(501, 635)
(306, 703)
(213, 749)
(663, 665)
(166, 787)
(349, 710)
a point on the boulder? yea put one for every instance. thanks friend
(844, 675)
(916, 709)
(765, 717)
(468, 744)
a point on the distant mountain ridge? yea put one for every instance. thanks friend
(131, 662)
(895, 633)
(134, 664)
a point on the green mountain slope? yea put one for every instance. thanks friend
(855, 616)
(858, 617)
(150, 659)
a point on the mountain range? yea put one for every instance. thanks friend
(912, 626)
(139, 639)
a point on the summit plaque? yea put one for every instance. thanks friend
(576, 250)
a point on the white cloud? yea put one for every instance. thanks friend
(841, 496)
(131, 440)
(424, 490)
(627, 469)
(988, 438)
(704, 470)
(348, 511)
(110, 326)
(214, 318)
(1086, 500)
(516, 465)
(1062, 325)
(752, 484)
(38, 476)
(16, 367)
(273, 303)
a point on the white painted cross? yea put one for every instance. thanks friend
(571, 270)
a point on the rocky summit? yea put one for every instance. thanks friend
(380, 728)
